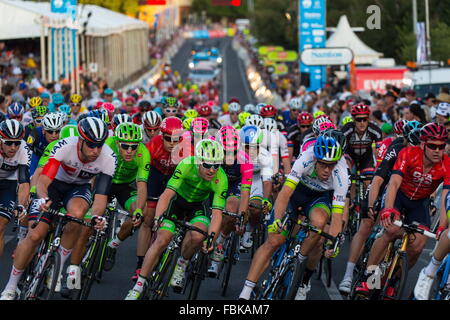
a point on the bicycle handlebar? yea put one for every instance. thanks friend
(239, 217)
(414, 228)
(65, 216)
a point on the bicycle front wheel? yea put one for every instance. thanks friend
(90, 270)
(198, 273)
(157, 289)
(289, 281)
(395, 285)
(229, 264)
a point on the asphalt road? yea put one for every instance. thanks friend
(116, 283)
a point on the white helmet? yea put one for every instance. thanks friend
(121, 118)
(151, 119)
(270, 124)
(295, 104)
(234, 107)
(255, 120)
(117, 103)
(53, 121)
(250, 108)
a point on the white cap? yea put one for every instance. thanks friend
(443, 109)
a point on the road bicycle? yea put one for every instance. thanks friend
(354, 219)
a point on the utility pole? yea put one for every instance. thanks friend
(414, 2)
(427, 17)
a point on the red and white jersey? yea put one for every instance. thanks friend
(65, 164)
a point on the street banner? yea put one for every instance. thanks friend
(311, 33)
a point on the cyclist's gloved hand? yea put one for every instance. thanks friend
(329, 250)
(267, 205)
(439, 231)
(387, 215)
(137, 217)
(20, 212)
(210, 239)
(156, 223)
(99, 222)
(43, 204)
(275, 227)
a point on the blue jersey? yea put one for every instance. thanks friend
(287, 121)
(37, 143)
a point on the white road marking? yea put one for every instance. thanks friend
(332, 291)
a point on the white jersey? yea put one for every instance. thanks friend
(304, 172)
(276, 143)
(225, 120)
(9, 166)
(73, 170)
(262, 164)
(145, 137)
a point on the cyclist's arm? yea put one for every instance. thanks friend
(282, 201)
(443, 217)
(246, 167)
(163, 202)
(284, 154)
(99, 205)
(220, 189)
(141, 195)
(393, 186)
(266, 174)
(42, 186)
(377, 181)
(340, 187)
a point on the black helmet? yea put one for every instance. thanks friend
(414, 137)
(337, 135)
(93, 130)
(11, 129)
(144, 105)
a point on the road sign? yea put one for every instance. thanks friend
(327, 56)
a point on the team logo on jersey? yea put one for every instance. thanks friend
(420, 178)
(30, 140)
(139, 155)
(217, 181)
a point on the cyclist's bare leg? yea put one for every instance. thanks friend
(262, 256)
(75, 236)
(443, 247)
(228, 222)
(192, 241)
(255, 214)
(127, 226)
(415, 246)
(25, 248)
(145, 232)
(154, 252)
(379, 246)
(318, 218)
(359, 239)
(3, 224)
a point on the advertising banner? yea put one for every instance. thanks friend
(265, 50)
(376, 78)
(283, 56)
(311, 33)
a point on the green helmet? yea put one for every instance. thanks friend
(318, 114)
(68, 131)
(243, 116)
(39, 111)
(129, 132)
(346, 120)
(187, 123)
(209, 151)
(191, 113)
(171, 102)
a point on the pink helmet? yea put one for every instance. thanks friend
(326, 125)
(228, 137)
(199, 125)
(433, 131)
(398, 126)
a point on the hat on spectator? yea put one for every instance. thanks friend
(429, 95)
(17, 71)
(444, 97)
(391, 93)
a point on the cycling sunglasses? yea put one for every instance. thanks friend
(209, 165)
(126, 146)
(52, 131)
(75, 104)
(169, 139)
(361, 119)
(327, 164)
(433, 146)
(94, 145)
(10, 143)
(305, 126)
(152, 129)
(38, 121)
(171, 110)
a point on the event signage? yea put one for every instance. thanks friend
(327, 56)
(311, 33)
(283, 56)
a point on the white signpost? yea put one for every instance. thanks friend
(327, 56)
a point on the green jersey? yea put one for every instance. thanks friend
(187, 182)
(46, 155)
(137, 169)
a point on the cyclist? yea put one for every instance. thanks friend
(182, 200)
(57, 101)
(32, 103)
(385, 143)
(119, 119)
(231, 119)
(269, 111)
(14, 173)
(239, 170)
(318, 183)
(255, 120)
(380, 180)
(297, 133)
(170, 106)
(276, 143)
(75, 106)
(250, 108)
(360, 135)
(40, 137)
(151, 121)
(143, 107)
(251, 139)
(133, 165)
(206, 112)
(290, 117)
(37, 114)
(417, 173)
(66, 177)
(15, 111)
(165, 155)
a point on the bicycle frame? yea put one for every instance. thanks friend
(445, 269)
